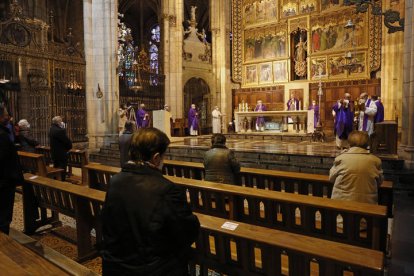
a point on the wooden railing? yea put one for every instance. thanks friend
(348, 222)
(247, 250)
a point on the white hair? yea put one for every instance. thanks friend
(23, 124)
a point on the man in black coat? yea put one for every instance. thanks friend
(10, 172)
(148, 226)
(60, 144)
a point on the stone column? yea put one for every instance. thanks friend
(406, 149)
(172, 11)
(220, 26)
(392, 75)
(100, 31)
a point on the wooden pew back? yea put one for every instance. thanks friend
(248, 249)
(32, 163)
(312, 216)
(282, 181)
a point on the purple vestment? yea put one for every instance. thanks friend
(260, 121)
(192, 119)
(343, 120)
(142, 122)
(293, 104)
(379, 117)
(315, 109)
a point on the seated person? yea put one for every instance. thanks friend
(220, 164)
(147, 224)
(356, 173)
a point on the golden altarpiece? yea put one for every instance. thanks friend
(277, 44)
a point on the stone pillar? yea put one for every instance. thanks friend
(173, 12)
(101, 31)
(392, 75)
(220, 26)
(406, 150)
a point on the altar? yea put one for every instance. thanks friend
(294, 121)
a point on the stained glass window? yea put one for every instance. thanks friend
(154, 48)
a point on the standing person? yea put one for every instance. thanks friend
(60, 144)
(260, 121)
(148, 226)
(124, 142)
(25, 139)
(193, 120)
(219, 162)
(315, 109)
(379, 117)
(356, 173)
(368, 110)
(216, 114)
(122, 113)
(10, 172)
(343, 114)
(142, 117)
(293, 103)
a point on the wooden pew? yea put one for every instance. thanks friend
(258, 249)
(36, 164)
(255, 250)
(283, 181)
(76, 158)
(307, 215)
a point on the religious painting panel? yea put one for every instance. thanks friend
(249, 10)
(307, 6)
(331, 5)
(336, 66)
(328, 33)
(289, 8)
(260, 11)
(270, 44)
(250, 74)
(281, 41)
(271, 10)
(318, 68)
(359, 68)
(258, 43)
(266, 75)
(280, 71)
(249, 45)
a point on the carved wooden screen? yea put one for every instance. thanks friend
(40, 104)
(70, 104)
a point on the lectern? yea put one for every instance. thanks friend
(162, 121)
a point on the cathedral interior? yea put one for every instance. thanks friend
(83, 59)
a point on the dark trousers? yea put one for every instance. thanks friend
(62, 164)
(6, 206)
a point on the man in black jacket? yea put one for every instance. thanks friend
(10, 172)
(60, 144)
(124, 142)
(148, 226)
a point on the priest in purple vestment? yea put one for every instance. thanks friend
(379, 117)
(343, 113)
(315, 109)
(260, 121)
(142, 117)
(193, 120)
